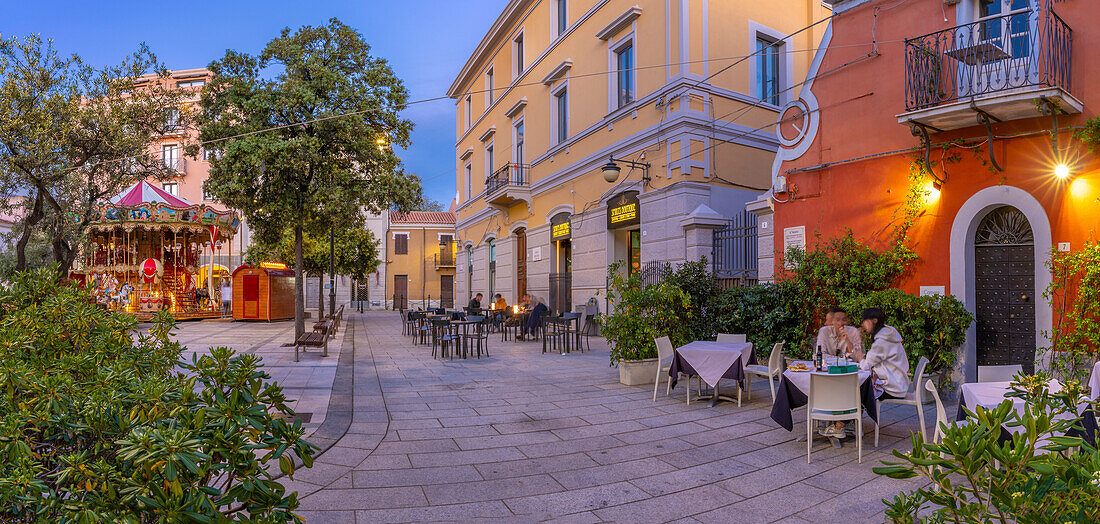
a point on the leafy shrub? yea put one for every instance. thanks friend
(640, 313)
(97, 425)
(931, 326)
(702, 287)
(838, 269)
(1040, 476)
(1074, 293)
(766, 314)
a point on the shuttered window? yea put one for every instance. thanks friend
(401, 244)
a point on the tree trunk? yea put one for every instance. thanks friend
(299, 285)
(28, 228)
(320, 295)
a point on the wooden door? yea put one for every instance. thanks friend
(1004, 285)
(400, 291)
(251, 296)
(447, 291)
(521, 262)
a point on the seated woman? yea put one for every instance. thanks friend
(886, 357)
(836, 337)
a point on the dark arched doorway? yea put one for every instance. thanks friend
(1004, 285)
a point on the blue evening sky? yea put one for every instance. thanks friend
(426, 42)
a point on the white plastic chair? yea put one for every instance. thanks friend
(941, 414)
(834, 397)
(999, 373)
(913, 397)
(664, 363)
(732, 339)
(772, 371)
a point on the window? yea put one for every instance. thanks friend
(171, 188)
(488, 88)
(468, 173)
(170, 156)
(560, 15)
(492, 267)
(993, 15)
(400, 243)
(624, 77)
(518, 152)
(561, 102)
(767, 70)
(172, 121)
(488, 160)
(517, 52)
(191, 83)
(467, 109)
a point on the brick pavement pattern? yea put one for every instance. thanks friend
(526, 436)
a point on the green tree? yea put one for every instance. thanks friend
(356, 251)
(299, 149)
(72, 135)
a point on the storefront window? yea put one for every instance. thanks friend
(635, 254)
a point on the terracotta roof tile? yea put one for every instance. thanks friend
(423, 217)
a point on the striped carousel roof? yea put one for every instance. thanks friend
(143, 192)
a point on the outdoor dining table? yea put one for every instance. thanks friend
(794, 387)
(465, 325)
(712, 362)
(990, 395)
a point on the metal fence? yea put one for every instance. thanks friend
(734, 251)
(1026, 48)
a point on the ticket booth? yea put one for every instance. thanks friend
(264, 292)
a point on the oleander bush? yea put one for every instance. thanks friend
(766, 314)
(1046, 473)
(100, 422)
(930, 326)
(639, 313)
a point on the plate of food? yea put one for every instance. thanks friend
(798, 366)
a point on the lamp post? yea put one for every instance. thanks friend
(611, 170)
(331, 271)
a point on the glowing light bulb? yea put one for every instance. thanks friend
(1061, 171)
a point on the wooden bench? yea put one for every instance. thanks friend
(317, 339)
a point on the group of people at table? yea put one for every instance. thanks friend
(531, 307)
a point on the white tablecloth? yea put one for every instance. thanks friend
(711, 360)
(1094, 381)
(990, 395)
(801, 379)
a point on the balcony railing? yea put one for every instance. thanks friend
(178, 164)
(445, 258)
(1024, 49)
(509, 175)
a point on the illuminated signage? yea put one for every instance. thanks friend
(272, 265)
(622, 210)
(560, 227)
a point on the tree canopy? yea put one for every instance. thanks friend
(300, 148)
(72, 135)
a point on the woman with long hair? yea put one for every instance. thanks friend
(886, 356)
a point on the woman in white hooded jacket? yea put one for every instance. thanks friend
(886, 356)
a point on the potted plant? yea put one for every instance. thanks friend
(638, 314)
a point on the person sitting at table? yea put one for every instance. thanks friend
(532, 325)
(836, 338)
(500, 304)
(525, 302)
(475, 304)
(886, 357)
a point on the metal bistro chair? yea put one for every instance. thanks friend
(480, 336)
(590, 325)
(665, 354)
(834, 397)
(446, 336)
(423, 328)
(552, 327)
(941, 414)
(571, 331)
(732, 339)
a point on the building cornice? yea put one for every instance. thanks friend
(619, 23)
(500, 27)
(558, 71)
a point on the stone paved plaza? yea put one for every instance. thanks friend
(526, 436)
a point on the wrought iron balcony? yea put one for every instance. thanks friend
(177, 164)
(1000, 66)
(445, 258)
(508, 185)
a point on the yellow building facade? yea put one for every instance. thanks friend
(419, 267)
(687, 91)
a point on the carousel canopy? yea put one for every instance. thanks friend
(144, 192)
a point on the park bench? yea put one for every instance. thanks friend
(317, 339)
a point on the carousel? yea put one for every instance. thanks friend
(149, 251)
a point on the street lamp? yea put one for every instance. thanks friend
(611, 170)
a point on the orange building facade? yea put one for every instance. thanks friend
(985, 92)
